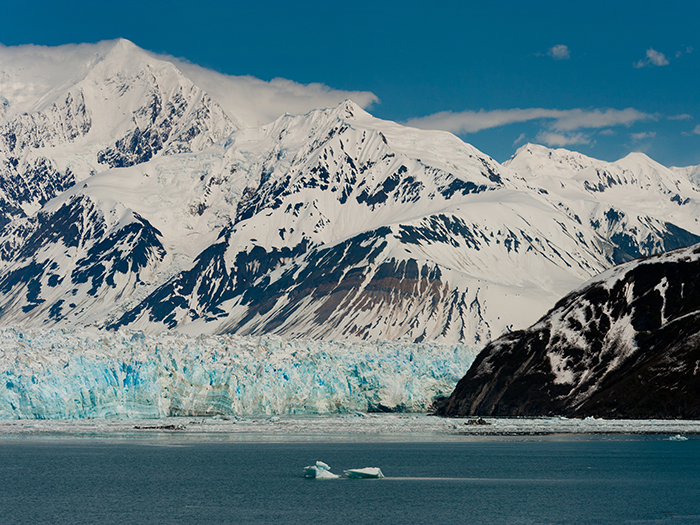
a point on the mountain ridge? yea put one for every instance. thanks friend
(328, 224)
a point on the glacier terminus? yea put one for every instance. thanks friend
(66, 375)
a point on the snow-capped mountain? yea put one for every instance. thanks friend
(121, 109)
(635, 203)
(157, 208)
(623, 345)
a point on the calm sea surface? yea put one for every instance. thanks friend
(615, 479)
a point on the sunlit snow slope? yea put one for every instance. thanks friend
(130, 198)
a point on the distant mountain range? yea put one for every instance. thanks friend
(131, 197)
(625, 345)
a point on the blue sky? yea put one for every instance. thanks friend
(603, 78)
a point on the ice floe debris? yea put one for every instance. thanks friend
(364, 473)
(348, 427)
(319, 471)
(161, 427)
(477, 421)
(678, 437)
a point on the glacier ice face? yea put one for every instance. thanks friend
(64, 374)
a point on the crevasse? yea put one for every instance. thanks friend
(62, 374)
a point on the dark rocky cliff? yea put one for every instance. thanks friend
(626, 345)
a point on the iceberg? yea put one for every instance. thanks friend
(71, 374)
(364, 473)
(319, 471)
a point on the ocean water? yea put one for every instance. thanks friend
(556, 479)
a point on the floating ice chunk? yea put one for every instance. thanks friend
(319, 471)
(364, 473)
(322, 465)
(678, 437)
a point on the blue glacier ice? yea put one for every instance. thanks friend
(61, 374)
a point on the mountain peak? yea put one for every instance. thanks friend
(124, 58)
(539, 151)
(641, 163)
(637, 158)
(124, 45)
(531, 160)
(348, 110)
(531, 149)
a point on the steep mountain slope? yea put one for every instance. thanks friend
(155, 211)
(635, 203)
(691, 172)
(119, 109)
(623, 345)
(314, 192)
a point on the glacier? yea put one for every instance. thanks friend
(66, 374)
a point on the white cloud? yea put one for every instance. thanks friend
(656, 58)
(29, 72)
(687, 50)
(249, 100)
(520, 139)
(696, 131)
(607, 132)
(644, 135)
(653, 58)
(561, 120)
(593, 119)
(559, 52)
(558, 139)
(683, 116)
(255, 102)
